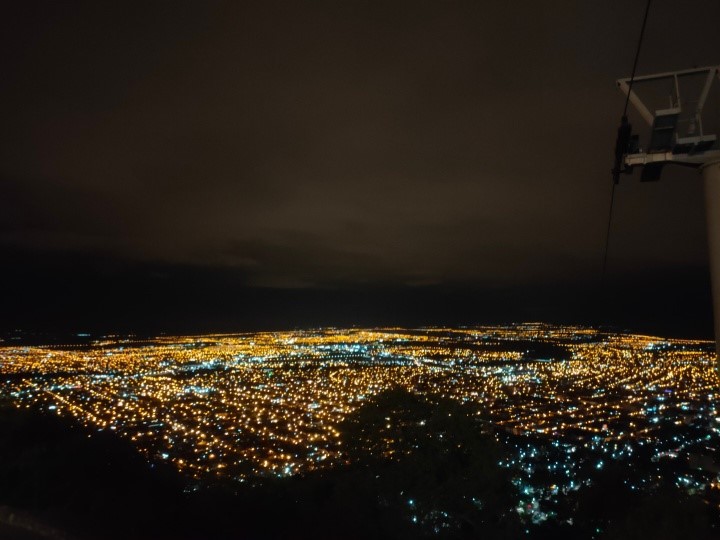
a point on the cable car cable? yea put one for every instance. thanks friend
(621, 144)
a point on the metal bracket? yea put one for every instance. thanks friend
(665, 146)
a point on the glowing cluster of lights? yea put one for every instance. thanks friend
(250, 405)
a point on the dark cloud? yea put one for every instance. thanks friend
(339, 144)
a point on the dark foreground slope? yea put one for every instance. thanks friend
(59, 480)
(412, 470)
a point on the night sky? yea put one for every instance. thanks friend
(195, 166)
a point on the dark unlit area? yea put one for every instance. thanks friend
(235, 164)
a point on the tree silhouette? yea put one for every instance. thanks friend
(431, 463)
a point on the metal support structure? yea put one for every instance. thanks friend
(688, 160)
(624, 86)
(635, 100)
(668, 146)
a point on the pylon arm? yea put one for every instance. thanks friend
(635, 100)
(666, 74)
(624, 85)
(706, 88)
(689, 160)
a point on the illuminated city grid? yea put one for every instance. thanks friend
(247, 406)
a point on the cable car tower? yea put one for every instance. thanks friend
(678, 136)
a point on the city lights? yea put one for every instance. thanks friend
(565, 400)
